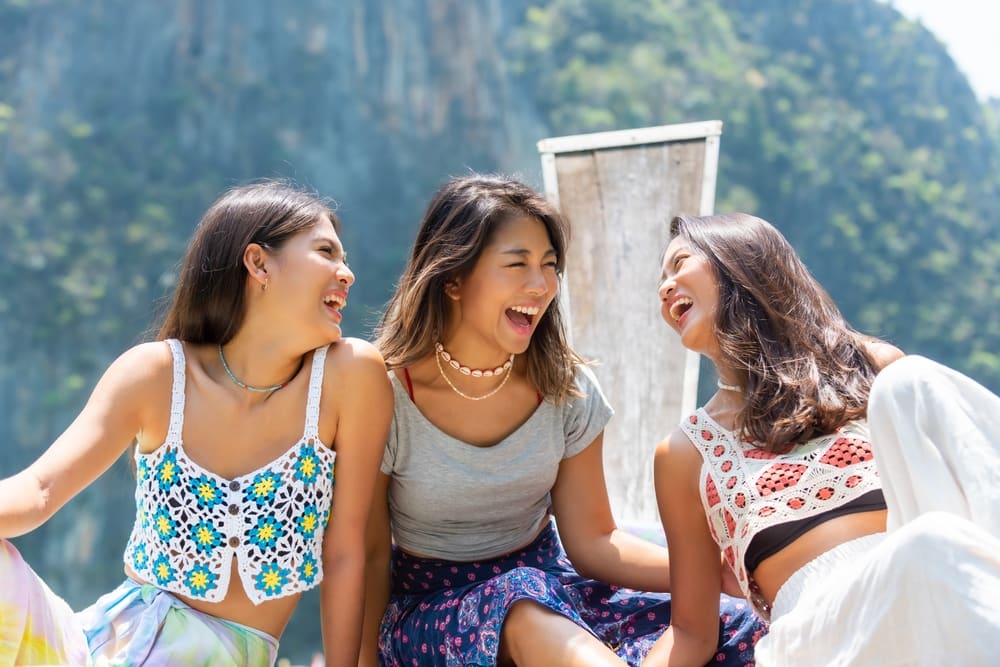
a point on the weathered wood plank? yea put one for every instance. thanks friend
(619, 200)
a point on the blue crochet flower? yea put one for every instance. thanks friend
(139, 557)
(168, 473)
(308, 521)
(267, 531)
(163, 571)
(308, 465)
(263, 487)
(205, 536)
(272, 579)
(164, 526)
(141, 471)
(206, 490)
(200, 580)
(307, 571)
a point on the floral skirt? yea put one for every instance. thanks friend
(135, 624)
(451, 613)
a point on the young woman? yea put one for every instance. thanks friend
(237, 415)
(498, 427)
(796, 459)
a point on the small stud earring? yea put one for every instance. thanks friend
(263, 288)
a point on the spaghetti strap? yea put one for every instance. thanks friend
(176, 427)
(315, 392)
(409, 384)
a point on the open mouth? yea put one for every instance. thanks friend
(335, 302)
(679, 307)
(523, 316)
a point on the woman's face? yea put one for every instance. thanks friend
(689, 297)
(510, 287)
(311, 280)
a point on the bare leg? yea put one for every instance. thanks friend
(535, 635)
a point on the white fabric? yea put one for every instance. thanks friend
(927, 593)
(191, 523)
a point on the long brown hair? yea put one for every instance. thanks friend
(459, 223)
(805, 371)
(209, 303)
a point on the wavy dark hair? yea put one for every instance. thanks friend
(209, 302)
(459, 223)
(804, 370)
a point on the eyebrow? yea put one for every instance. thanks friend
(524, 252)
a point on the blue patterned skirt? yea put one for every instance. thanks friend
(451, 613)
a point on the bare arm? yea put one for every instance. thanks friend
(593, 542)
(694, 617)
(112, 417)
(881, 353)
(377, 589)
(364, 409)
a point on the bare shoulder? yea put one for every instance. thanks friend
(881, 352)
(144, 366)
(355, 356)
(677, 457)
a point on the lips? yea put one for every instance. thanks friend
(678, 306)
(334, 302)
(523, 317)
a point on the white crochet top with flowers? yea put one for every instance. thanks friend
(190, 523)
(746, 489)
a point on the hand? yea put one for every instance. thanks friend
(730, 584)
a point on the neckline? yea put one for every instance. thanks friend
(321, 450)
(402, 397)
(178, 391)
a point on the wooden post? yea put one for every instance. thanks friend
(619, 191)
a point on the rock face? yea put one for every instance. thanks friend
(120, 122)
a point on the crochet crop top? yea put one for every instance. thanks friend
(190, 523)
(746, 490)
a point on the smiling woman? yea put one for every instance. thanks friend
(238, 414)
(852, 492)
(497, 435)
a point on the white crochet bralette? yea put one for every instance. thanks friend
(190, 523)
(745, 489)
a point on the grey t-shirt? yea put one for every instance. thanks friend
(455, 501)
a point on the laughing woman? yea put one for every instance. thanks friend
(498, 428)
(237, 414)
(859, 507)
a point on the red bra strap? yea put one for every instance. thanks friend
(409, 384)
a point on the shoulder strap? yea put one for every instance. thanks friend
(176, 393)
(315, 391)
(409, 384)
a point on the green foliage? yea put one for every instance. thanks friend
(845, 124)
(878, 164)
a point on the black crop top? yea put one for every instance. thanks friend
(772, 540)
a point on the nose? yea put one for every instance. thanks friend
(538, 283)
(345, 275)
(666, 287)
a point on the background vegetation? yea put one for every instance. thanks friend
(845, 124)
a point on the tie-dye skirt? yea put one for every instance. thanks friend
(135, 624)
(451, 613)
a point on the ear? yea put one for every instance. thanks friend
(452, 288)
(255, 261)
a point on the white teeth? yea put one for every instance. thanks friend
(335, 299)
(676, 307)
(527, 310)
